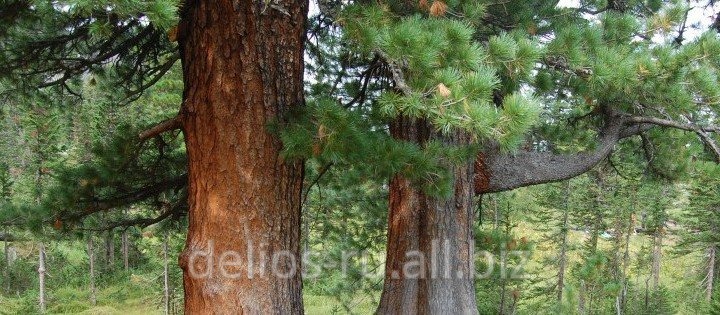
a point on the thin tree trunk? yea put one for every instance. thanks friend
(656, 258)
(429, 265)
(503, 284)
(125, 250)
(647, 294)
(91, 257)
(622, 298)
(125, 246)
(109, 249)
(563, 245)
(166, 275)
(306, 228)
(41, 275)
(243, 71)
(581, 298)
(496, 213)
(712, 252)
(6, 272)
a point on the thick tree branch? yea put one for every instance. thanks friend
(165, 126)
(504, 172)
(496, 172)
(635, 129)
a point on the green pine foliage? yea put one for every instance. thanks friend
(715, 304)
(701, 216)
(451, 76)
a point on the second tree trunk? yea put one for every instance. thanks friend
(430, 266)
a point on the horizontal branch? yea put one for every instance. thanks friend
(672, 124)
(145, 222)
(701, 131)
(7, 237)
(165, 126)
(141, 194)
(509, 171)
(505, 172)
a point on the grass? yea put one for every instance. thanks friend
(140, 293)
(114, 300)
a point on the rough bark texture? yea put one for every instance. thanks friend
(429, 267)
(503, 172)
(243, 70)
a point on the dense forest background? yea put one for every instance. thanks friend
(618, 231)
(92, 220)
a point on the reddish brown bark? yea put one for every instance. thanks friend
(243, 70)
(430, 266)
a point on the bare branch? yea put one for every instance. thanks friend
(165, 126)
(141, 194)
(397, 73)
(157, 74)
(701, 131)
(673, 124)
(315, 181)
(175, 210)
(710, 142)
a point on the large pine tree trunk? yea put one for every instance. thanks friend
(429, 267)
(243, 70)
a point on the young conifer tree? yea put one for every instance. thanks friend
(703, 222)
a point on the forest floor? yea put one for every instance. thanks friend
(140, 292)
